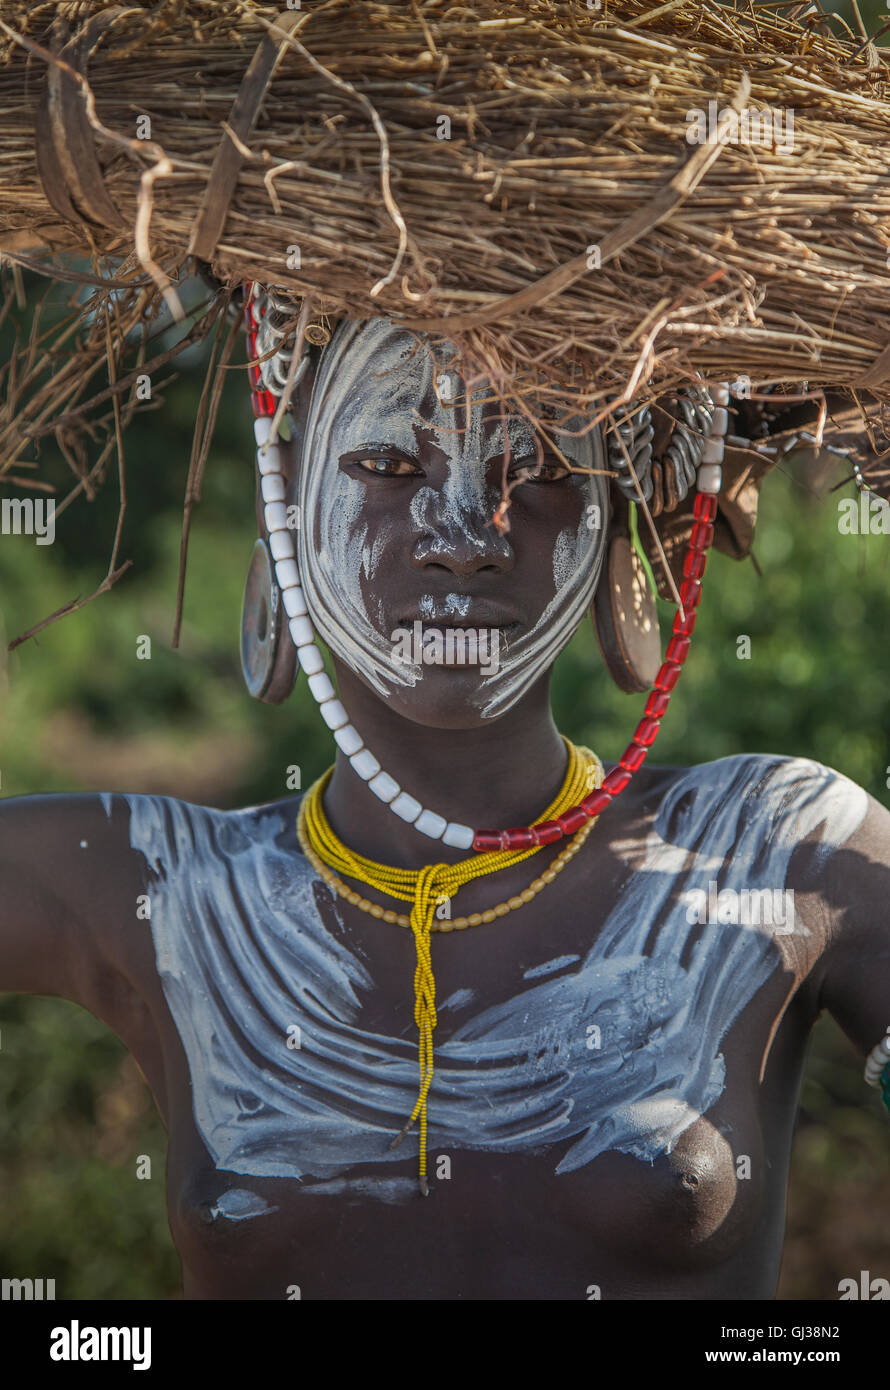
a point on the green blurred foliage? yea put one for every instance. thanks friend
(77, 1114)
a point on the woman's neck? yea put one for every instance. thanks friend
(502, 774)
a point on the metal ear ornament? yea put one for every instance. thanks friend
(268, 656)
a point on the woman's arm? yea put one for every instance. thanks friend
(73, 918)
(67, 873)
(855, 968)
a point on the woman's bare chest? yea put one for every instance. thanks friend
(585, 1109)
(571, 1033)
(543, 1181)
(600, 1060)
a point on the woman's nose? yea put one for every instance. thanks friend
(460, 538)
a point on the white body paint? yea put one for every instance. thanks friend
(238, 1204)
(244, 955)
(549, 967)
(367, 391)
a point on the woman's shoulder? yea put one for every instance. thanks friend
(168, 831)
(751, 769)
(781, 796)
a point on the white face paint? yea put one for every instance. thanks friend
(375, 384)
(243, 955)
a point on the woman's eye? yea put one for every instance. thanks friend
(386, 467)
(551, 471)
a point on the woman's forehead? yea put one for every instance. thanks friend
(375, 375)
(376, 364)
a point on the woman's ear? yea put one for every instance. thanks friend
(625, 618)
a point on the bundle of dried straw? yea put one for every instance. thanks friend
(549, 182)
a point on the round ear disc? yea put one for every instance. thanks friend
(625, 618)
(268, 656)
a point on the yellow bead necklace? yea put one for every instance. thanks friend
(426, 888)
(475, 919)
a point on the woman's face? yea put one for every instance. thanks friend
(407, 580)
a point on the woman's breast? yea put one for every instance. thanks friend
(491, 1228)
(600, 1127)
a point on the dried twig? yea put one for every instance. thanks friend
(205, 423)
(71, 607)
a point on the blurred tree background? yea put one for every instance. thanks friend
(81, 712)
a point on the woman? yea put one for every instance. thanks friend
(596, 1081)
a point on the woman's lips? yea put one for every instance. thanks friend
(453, 643)
(477, 617)
(508, 630)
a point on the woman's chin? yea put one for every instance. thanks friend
(444, 699)
(441, 697)
(444, 702)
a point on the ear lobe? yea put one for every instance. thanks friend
(624, 614)
(268, 655)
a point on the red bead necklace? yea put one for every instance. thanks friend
(634, 755)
